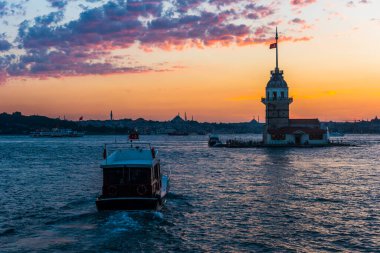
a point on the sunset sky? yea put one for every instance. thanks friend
(209, 58)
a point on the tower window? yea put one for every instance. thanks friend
(282, 94)
(275, 95)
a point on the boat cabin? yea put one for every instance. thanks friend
(131, 172)
(132, 178)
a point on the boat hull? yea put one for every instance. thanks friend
(129, 203)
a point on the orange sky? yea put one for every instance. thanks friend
(334, 76)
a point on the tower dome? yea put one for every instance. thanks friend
(277, 80)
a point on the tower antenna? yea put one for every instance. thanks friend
(276, 49)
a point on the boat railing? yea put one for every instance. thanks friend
(108, 148)
(272, 99)
(130, 144)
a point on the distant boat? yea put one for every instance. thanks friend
(134, 135)
(178, 133)
(214, 141)
(56, 133)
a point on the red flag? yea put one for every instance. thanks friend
(81, 118)
(274, 45)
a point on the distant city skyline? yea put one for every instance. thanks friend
(211, 59)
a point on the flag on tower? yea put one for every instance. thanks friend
(274, 45)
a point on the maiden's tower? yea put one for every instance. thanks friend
(279, 129)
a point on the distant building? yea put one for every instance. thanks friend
(111, 116)
(177, 119)
(279, 129)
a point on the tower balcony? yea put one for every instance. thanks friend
(273, 99)
(272, 72)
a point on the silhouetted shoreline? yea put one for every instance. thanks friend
(18, 124)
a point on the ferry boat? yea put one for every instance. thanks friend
(56, 132)
(132, 178)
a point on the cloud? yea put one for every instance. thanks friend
(301, 2)
(4, 45)
(300, 22)
(84, 46)
(43, 63)
(297, 21)
(3, 6)
(60, 4)
(352, 3)
(255, 11)
(302, 39)
(9, 8)
(53, 17)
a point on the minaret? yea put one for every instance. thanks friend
(111, 116)
(277, 99)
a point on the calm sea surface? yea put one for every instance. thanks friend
(222, 200)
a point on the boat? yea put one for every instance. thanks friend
(214, 141)
(56, 132)
(134, 135)
(132, 178)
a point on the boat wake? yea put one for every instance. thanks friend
(121, 222)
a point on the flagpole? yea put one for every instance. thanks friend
(276, 50)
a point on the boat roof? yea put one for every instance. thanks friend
(133, 156)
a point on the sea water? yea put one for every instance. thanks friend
(221, 200)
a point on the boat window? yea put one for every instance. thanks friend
(140, 175)
(112, 176)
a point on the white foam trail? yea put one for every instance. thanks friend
(121, 222)
(158, 215)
